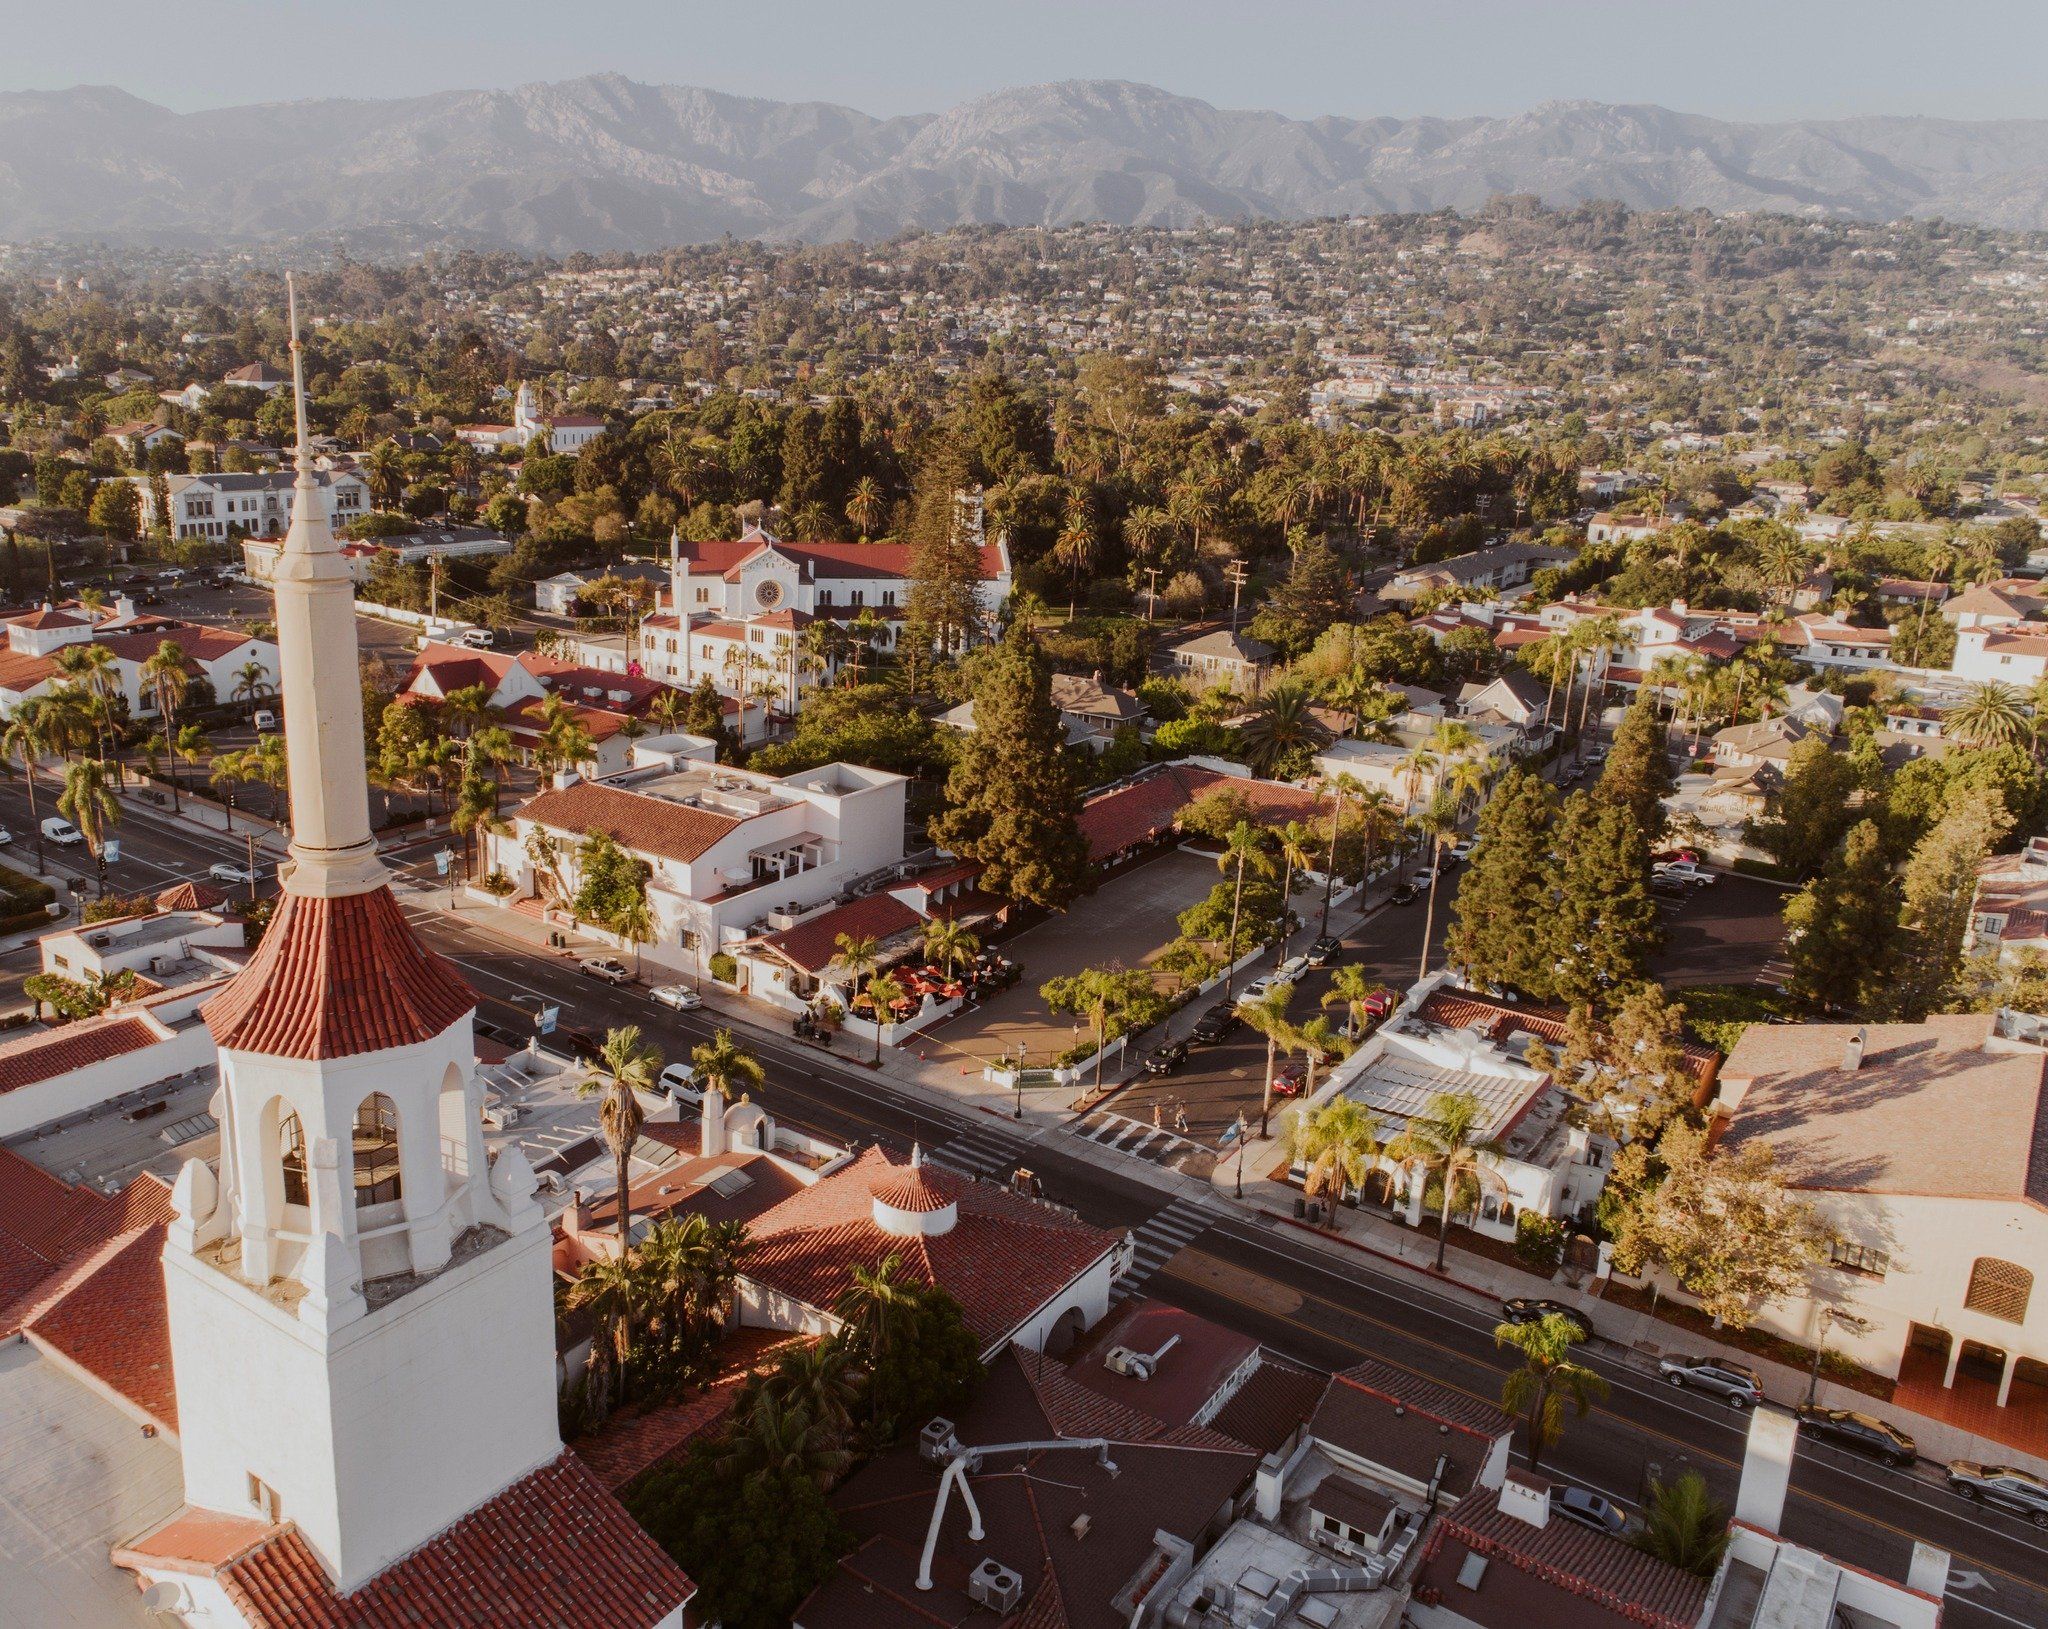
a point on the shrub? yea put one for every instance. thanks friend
(724, 968)
(1539, 1241)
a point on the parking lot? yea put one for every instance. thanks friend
(1127, 922)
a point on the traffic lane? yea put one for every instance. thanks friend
(150, 858)
(1723, 933)
(828, 1093)
(1859, 1512)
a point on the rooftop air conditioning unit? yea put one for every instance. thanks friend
(995, 1586)
(936, 1441)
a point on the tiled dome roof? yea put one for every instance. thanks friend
(916, 1187)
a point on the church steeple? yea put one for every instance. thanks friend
(333, 852)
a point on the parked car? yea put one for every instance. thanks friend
(1589, 1509)
(1290, 1078)
(58, 830)
(1686, 871)
(1528, 1309)
(6, 836)
(679, 1081)
(1670, 887)
(2003, 1486)
(679, 996)
(1405, 893)
(1672, 856)
(264, 719)
(1266, 983)
(1461, 850)
(1165, 1058)
(1736, 1384)
(608, 968)
(1324, 951)
(1215, 1024)
(477, 638)
(1420, 880)
(587, 1047)
(1860, 1433)
(228, 872)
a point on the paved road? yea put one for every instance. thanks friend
(1270, 1279)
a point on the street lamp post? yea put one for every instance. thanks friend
(1242, 1128)
(1829, 1315)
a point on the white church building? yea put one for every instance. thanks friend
(565, 432)
(354, 1348)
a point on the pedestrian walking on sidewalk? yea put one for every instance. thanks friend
(1180, 1118)
(1158, 1111)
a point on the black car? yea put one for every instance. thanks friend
(1163, 1060)
(1404, 894)
(1860, 1433)
(1215, 1024)
(1670, 887)
(2021, 1492)
(1324, 951)
(1528, 1309)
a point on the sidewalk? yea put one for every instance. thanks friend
(1634, 1339)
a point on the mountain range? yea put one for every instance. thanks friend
(604, 163)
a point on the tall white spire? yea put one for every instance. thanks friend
(332, 847)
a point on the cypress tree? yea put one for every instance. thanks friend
(1604, 926)
(1638, 772)
(1843, 928)
(1506, 898)
(1013, 800)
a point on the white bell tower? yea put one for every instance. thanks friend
(526, 420)
(361, 1314)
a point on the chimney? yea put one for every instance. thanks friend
(711, 1142)
(1080, 1526)
(576, 1217)
(1269, 1484)
(1525, 1496)
(1852, 1049)
(1766, 1469)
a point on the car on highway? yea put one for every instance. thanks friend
(2003, 1486)
(679, 996)
(679, 1081)
(1589, 1509)
(228, 872)
(58, 830)
(1736, 1384)
(1324, 951)
(1215, 1024)
(1529, 1309)
(1859, 1433)
(608, 968)
(1405, 893)
(1165, 1058)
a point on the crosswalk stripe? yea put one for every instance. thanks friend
(1161, 1238)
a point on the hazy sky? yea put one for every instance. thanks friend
(1735, 58)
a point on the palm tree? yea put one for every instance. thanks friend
(949, 941)
(725, 1067)
(87, 801)
(821, 1380)
(1443, 1140)
(31, 736)
(165, 673)
(1991, 715)
(252, 682)
(1684, 1524)
(476, 804)
(1318, 1042)
(1438, 823)
(613, 1290)
(1283, 724)
(494, 747)
(1337, 1145)
(1296, 843)
(1243, 850)
(1353, 988)
(857, 953)
(1268, 1015)
(874, 1312)
(1549, 1380)
(635, 924)
(865, 507)
(883, 994)
(562, 742)
(773, 1439)
(95, 676)
(623, 1068)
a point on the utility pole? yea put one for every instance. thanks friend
(1234, 574)
(251, 867)
(1151, 593)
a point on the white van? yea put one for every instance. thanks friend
(264, 720)
(477, 638)
(60, 831)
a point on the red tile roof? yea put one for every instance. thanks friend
(1461, 1009)
(190, 896)
(641, 822)
(50, 1232)
(197, 641)
(824, 561)
(555, 1549)
(111, 1323)
(1611, 1580)
(919, 1188)
(1146, 809)
(1002, 1260)
(335, 977)
(36, 1058)
(21, 672)
(1406, 1422)
(813, 944)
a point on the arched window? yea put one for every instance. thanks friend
(291, 1158)
(376, 1150)
(1999, 1289)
